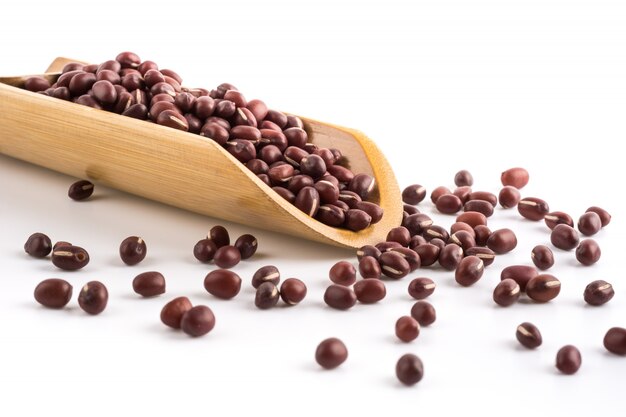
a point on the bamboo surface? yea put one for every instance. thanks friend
(179, 168)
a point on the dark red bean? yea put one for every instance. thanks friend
(506, 293)
(409, 369)
(588, 252)
(399, 234)
(421, 288)
(53, 293)
(268, 273)
(483, 233)
(413, 194)
(515, 177)
(480, 206)
(463, 193)
(448, 204)
(605, 217)
(428, 253)
(394, 265)
(133, 250)
(197, 321)
(149, 284)
(502, 241)
(558, 217)
(247, 245)
(370, 290)
(339, 297)
(533, 208)
(484, 196)
(80, 190)
(172, 312)
(521, 274)
(267, 296)
(564, 237)
(509, 197)
(528, 335)
(473, 218)
(219, 235)
(450, 256)
(222, 283)
(438, 192)
(598, 292)
(38, 245)
(615, 340)
(292, 291)
(589, 223)
(407, 328)
(542, 257)
(343, 273)
(486, 254)
(463, 178)
(227, 257)
(357, 220)
(70, 258)
(424, 313)
(463, 239)
(331, 353)
(93, 297)
(568, 360)
(369, 267)
(543, 288)
(469, 271)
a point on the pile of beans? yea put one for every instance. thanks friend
(273, 145)
(467, 248)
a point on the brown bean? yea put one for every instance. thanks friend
(558, 217)
(399, 234)
(369, 267)
(533, 208)
(509, 197)
(339, 297)
(588, 252)
(486, 254)
(428, 253)
(370, 290)
(394, 265)
(450, 256)
(172, 312)
(589, 223)
(484, 196)
(543, 288)
(222, 283)
(520, 274)
(438, 192)
(413, 194)
(421, 288)
(53, 293)
(564, 237)
(473, 218)
(542, 257)
(469, 271)
(448, 204)
(480, 206)
(149, 284)
(506, 293)
(515, 177)
(502, 241)
(605, 217)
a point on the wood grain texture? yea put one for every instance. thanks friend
(178, 168)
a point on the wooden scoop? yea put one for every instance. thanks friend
(179, 168)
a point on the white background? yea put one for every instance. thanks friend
(441, 86)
